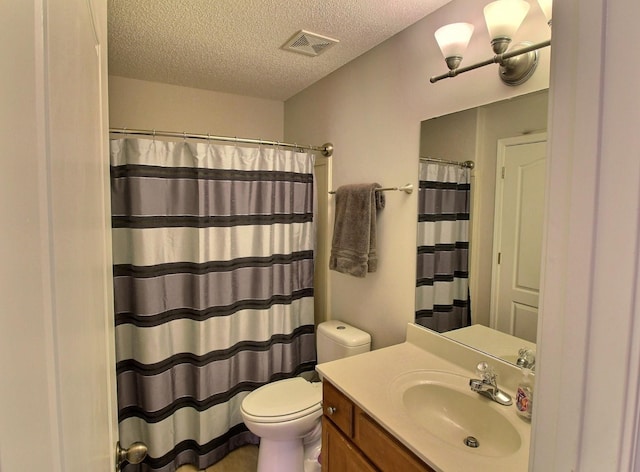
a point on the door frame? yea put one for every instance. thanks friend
(57, 335)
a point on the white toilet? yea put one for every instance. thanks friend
(286, 414)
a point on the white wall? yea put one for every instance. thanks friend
(371, 110)
(139, 104)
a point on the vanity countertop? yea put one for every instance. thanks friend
(491, 341)
(368, 379)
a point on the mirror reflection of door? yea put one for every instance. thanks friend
(520, 190)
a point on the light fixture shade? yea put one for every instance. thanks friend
(545, 6)
(504, 17)
(453, 39)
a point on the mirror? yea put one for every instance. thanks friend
(505, 222)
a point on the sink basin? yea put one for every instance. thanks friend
(443, 405)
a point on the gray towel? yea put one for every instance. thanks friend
(353, 250)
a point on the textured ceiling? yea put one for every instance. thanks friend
(234, 46)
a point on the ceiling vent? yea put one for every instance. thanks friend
(310, 44)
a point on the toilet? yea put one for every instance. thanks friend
(286, 414)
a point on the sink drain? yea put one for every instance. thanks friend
(470, 441)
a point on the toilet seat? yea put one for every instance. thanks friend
(283, 400)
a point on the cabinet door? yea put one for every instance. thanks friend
(382, 449)
(338, 408)
(339, 454)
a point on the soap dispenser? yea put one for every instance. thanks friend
(524, 395)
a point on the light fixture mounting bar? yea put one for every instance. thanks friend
(497, 59)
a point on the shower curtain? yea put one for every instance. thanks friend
(442, 282)
(213, 287)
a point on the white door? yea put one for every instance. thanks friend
(57, 391)
(520, 187)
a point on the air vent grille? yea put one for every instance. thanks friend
(310, 44)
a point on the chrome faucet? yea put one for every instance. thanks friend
(486, 385)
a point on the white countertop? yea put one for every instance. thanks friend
(491, 341)
(367, 379)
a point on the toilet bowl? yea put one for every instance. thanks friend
(286, 414)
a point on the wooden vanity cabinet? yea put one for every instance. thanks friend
(339, 454)
(352, 441)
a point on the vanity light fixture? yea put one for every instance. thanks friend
(545, 6)
(453, 40)
(503, 18)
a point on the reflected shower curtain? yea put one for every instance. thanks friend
(213, 280)
(442, 282)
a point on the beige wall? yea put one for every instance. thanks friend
(150, 105)
(474, 134)
(371, 110)
(452, 137)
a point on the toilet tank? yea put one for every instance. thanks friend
(336, 339)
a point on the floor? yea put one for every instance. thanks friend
(244, 459)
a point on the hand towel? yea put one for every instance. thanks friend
(353, 249)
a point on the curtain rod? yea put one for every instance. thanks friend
(468, 164)
(326, 149)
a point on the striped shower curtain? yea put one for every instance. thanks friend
(442, 282)
(213, 281)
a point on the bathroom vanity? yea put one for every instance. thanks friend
(353, 441)
(409, 407)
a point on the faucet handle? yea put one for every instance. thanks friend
(486, 373)
(526, 358)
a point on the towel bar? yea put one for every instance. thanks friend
(407, 188)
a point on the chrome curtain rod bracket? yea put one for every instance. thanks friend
(326, 149)
(407, 188)
(467, 164)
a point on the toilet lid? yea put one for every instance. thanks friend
(282, 398)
